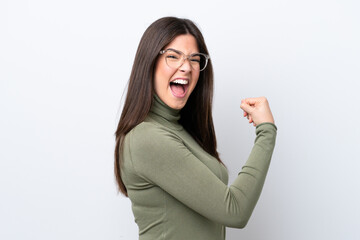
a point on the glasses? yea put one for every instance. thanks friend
(175, 58)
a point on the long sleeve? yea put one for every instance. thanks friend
(251, 179)
(161, 158)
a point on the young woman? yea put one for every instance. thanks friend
(166, 160)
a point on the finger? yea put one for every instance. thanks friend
(246, 107)
(255, 101)
(251, 101)
(244, 112)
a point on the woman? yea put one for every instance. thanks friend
(166, 160)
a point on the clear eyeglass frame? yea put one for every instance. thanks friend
(180, 62)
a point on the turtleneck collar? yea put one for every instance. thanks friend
(164, 114)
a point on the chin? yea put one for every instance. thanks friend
(177, 106)
(177, 103)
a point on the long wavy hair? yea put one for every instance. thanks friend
(196, 116)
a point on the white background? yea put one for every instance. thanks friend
(64, 66)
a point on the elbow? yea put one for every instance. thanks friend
(238, 210)
(240, 224)
(237, 222)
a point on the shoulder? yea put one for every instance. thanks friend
(149, 146)
(150, 136)
(149, 131)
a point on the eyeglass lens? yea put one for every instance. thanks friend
(176, 59)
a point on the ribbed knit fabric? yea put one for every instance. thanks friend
(178, 191)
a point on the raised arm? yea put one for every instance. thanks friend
(161, 158)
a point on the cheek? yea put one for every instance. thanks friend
(158, 77)
(195, 76)
(163, 74)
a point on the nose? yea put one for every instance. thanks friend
(186, 65)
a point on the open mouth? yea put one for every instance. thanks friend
(179, 87)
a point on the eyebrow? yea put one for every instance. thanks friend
(178, 51)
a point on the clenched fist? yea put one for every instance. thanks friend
(257, 110)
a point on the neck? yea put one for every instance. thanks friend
(164, 114)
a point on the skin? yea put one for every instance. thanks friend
(257, 110)
(164, 74)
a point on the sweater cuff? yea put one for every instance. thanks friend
(266, 123)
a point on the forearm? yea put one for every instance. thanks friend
(248, 185)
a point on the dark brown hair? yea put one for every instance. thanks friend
(196, 116)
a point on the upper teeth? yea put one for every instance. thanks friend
(180, 81)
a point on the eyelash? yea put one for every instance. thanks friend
(174, 57)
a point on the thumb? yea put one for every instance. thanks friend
(246, 107)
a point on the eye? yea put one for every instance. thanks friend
(172, 56)
(195, 59)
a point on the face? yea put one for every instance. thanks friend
(174, 86)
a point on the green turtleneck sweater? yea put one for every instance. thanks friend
(179, 191)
